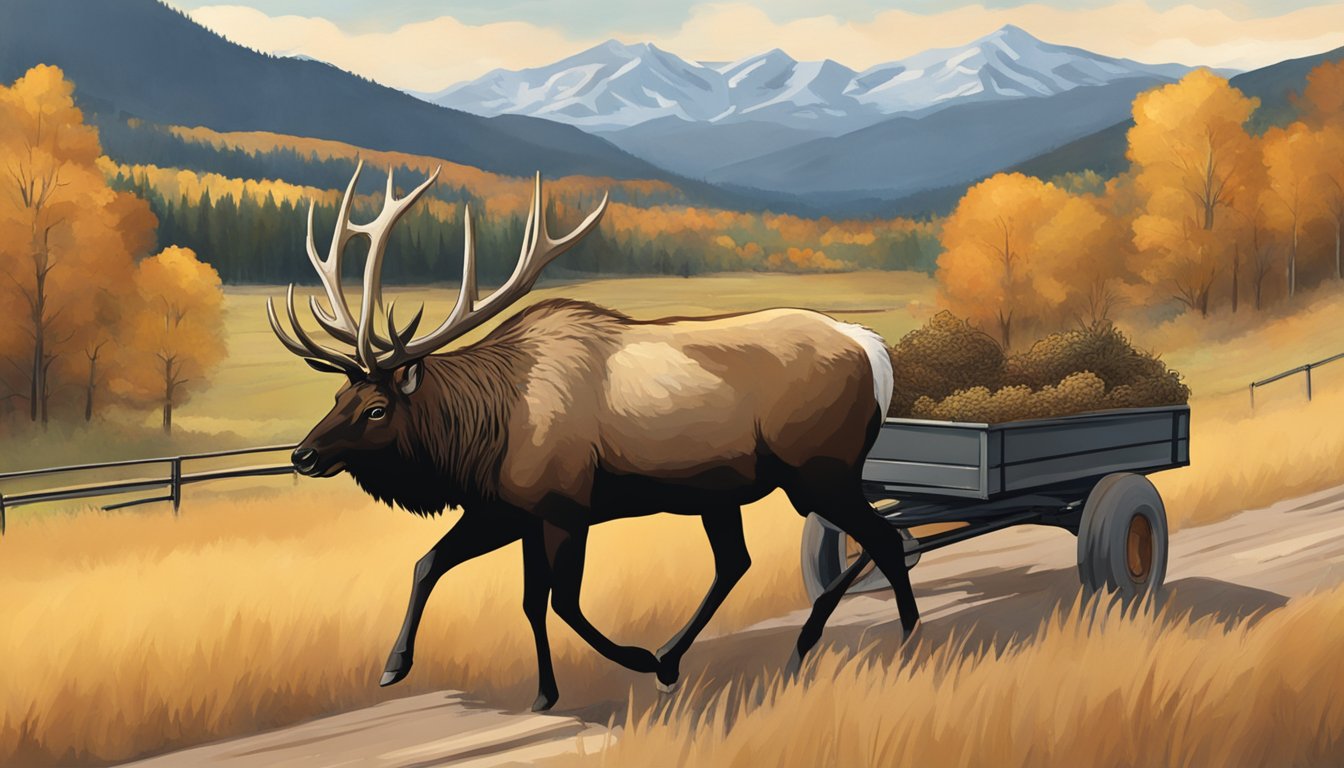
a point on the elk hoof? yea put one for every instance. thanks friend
(668, 673)
(544, 701)
(397, 669)
(668, 688)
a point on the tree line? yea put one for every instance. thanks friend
(260, 239)
(1210, 216)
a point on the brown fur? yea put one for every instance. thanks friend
(565, 391)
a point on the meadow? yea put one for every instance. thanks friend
(269, 602)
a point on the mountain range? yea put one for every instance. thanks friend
(819, 129)
(614, 86)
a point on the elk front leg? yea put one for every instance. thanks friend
(731, 561)
(471, 537)
(536, 593)
(565, 554)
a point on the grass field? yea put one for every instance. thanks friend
(1096, 686)
(269, 602)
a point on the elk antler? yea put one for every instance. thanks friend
(374, 353)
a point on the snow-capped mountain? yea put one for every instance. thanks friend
(614, 85)
(1007, 64)
(610, 85)
(774, 87)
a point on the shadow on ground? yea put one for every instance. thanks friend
(989, 609)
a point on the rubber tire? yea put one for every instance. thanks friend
(823, 552)
(1104, 532)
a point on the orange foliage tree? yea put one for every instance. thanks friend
(1082, 260)
(1291, 157)
(66, 238)
(1019, 251)
(1330, 183)
(1192, 158)
(1324, 102)
(177, 332)
(1324, 112)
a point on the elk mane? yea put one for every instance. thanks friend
(451, 453)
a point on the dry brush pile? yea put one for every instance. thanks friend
(949, 370)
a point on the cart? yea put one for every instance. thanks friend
(1084, 473)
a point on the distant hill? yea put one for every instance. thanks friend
(904, 156)
(140, 58)
(1104, 150)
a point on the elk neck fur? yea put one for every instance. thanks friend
(457, 436)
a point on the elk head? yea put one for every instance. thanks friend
(386, 368)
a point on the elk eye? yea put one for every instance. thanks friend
(376, 412)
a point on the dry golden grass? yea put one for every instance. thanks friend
(1224, 353)
(1094, 687)
(1243, 459)
(125, 633)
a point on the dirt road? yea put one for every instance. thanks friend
(994, 588)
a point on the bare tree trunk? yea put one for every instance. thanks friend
(46, 389)
(91, 386)
(1006, 329)
(1236, 271)
(1292, 263)
(168, 396)
(37, 382)
(1338, 273)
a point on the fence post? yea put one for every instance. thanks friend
(176, 480)
(1308, 381)
(2, 514)
(1252, 396)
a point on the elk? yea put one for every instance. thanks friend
(567, 415)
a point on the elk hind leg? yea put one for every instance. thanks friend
(536, 595)
(565, 553)
(731, 561)
(852, 514)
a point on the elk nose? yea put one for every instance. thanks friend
(305, 459)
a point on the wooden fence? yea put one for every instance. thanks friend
(178, 475)
(1306, 369)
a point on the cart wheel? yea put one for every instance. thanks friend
(827, 551)
(1122, 538)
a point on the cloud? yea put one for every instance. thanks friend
(429, 55)
(422, 56)
(1129, 29)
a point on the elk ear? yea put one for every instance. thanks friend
(323, 366)
(409, 375)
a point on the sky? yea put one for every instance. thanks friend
(427, 45)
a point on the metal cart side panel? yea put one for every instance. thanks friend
(981, 461)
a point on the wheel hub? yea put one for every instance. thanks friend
(1139, 548)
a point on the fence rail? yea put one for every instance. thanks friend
(1306, 369)
(173, 482)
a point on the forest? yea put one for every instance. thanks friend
(242, 198)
